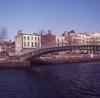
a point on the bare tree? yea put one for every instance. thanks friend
(3, 33)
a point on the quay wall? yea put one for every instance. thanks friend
(61, 60)
(7, 62)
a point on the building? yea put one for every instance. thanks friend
(3, 46)
(48, 39)
(7, 46)
(95, 38)
(84, 39)
(11, 47)
(27, 41)
(89, 38)
(71, 37)
(61, 41)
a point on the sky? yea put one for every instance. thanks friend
(57, 15)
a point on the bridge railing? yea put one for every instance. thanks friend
(52, 46)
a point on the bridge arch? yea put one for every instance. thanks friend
(43, 51)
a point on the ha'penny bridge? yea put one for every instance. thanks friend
(44, 50)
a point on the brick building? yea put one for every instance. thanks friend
(48, 39)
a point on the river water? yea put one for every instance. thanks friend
(51, 81)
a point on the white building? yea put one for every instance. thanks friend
(95, 37)
(72, 38)
(27, 41)
(61, 41)
(84, 39)
(90, 38)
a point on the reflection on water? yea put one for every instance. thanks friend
(52, 81)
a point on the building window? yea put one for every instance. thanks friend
(32, 44)
(38, 44)
(35, 44)
(28, 38)
(28, 44)
(24, 44)
(38, 38)
(58, 40)
(24, 37)
(35, 38)
(31, 38)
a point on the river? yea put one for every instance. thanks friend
(80, 80)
